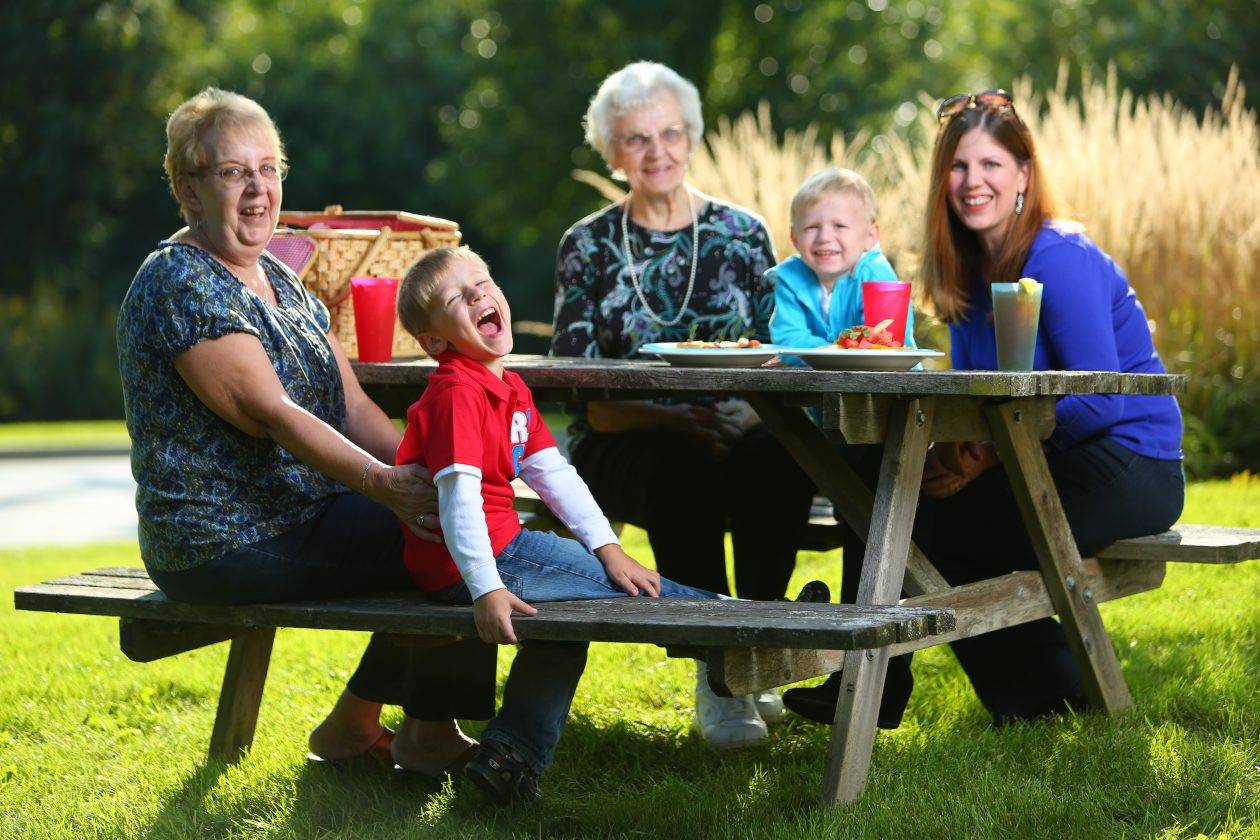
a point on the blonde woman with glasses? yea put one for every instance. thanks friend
(264, 472)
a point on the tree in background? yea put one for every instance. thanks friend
(471, 110)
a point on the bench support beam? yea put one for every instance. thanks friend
(241, 696)
(980, 607)
(148, 640)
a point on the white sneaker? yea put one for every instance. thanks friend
(726, 722)
(769, 705)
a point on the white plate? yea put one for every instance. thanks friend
(835, 358)
(711, 356)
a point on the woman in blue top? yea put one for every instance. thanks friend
(1116, 460)
(264, 472)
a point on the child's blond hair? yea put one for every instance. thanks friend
(419, 285)
(828, 181)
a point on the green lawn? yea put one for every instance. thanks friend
(92, 745)
(75, 434)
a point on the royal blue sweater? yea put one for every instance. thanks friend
(1090, 320)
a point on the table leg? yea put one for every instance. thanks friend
(883, 569)
(852, 501)
(1060, 562)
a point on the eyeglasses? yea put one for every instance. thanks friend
(234, 176)
(669, 136)
(996, 100)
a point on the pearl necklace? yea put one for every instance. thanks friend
(634, 280)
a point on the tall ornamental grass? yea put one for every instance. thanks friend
(1170, 194)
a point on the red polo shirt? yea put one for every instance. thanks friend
(469, 420)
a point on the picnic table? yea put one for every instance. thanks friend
(906, 411)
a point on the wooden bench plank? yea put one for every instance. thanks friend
(1189, 544)
(648, 620)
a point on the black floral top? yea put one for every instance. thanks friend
(205, 488)
(598, 314)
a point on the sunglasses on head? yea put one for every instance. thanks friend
(996, 100)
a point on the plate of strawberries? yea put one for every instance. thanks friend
(862, 348)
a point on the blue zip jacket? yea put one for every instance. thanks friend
(798, 318)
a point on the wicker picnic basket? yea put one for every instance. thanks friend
(327, 248)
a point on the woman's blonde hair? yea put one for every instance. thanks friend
(952, 256)
(191, 125)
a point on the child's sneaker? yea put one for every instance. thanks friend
(502, 775)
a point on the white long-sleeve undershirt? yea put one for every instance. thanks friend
(566, 495)
(463, 517)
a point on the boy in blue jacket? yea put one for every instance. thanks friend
(818, 293)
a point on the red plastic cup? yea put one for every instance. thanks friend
(882, 300)
(374, 300)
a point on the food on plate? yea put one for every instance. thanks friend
(742, 344)
(862, 337)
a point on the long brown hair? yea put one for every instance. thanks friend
(952, 256)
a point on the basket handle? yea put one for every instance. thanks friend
(375, 248)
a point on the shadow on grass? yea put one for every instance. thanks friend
(184, 810)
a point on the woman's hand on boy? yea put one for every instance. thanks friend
(493, 614)
(408, 491)
(625, 571)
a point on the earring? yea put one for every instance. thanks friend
(1019, 203)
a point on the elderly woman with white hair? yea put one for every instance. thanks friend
(667, 264)
(264, 472)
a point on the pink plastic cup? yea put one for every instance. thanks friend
(374, 299)
(882, 300)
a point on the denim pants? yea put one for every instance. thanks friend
(538, 566)
(353, 546)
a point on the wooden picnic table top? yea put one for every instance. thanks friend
(580, 378)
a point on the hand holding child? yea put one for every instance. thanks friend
(493, 614)
(625, 571)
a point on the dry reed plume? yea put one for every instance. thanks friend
(1170, 195)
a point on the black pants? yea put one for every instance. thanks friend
(352, 547)
(685, 498)
(1108, 493)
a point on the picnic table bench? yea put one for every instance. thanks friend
(751, 645)
(152, 627)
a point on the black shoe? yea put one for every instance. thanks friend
(819, 702)
(502, 775)
(814, 592)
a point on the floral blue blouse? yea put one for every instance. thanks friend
(599, 315)
(205, 488)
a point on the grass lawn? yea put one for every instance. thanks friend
(74, 434)
(92, 745)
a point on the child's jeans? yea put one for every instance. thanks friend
(539, 566)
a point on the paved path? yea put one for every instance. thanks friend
(66, 500)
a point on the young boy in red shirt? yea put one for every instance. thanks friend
(476, 428)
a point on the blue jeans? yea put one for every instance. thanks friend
(351, 547)
(538, 566)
